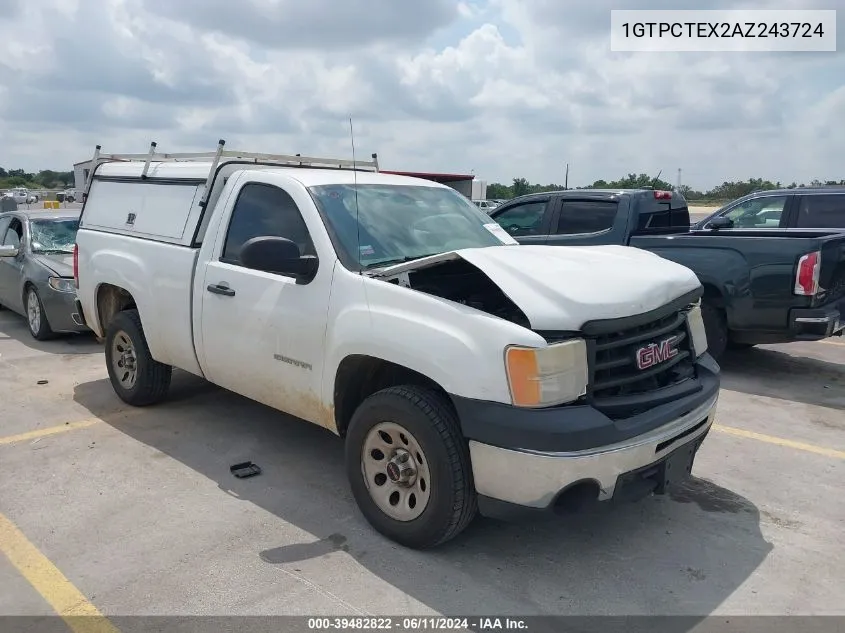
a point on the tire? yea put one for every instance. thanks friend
(430, 424)
(716, 328)
(126, 347)
(36, 318)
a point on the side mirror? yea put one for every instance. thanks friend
(9, 251)
(720, 222)
(278, 255)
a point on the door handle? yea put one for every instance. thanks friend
(220, 290)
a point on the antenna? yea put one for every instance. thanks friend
(355, 189)
(656, 178)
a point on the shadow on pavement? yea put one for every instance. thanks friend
(13, 327)
(684, 553)
(777, 374)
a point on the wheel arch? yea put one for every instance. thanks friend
(109, 299)
(358, 376)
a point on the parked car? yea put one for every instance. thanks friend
(804, 208)
(36, 272)
(485, 205)
(761, 285)
(68, 195)
(22, 195)
(464, 371)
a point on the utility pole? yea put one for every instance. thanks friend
(679, 179)
(566, 180)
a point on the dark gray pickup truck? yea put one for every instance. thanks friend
(799, 208)
(761, 285)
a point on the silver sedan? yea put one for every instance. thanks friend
(36, 269)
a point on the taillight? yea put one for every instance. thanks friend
(807, 275)
(76, 265)
(662, 195)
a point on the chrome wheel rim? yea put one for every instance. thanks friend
(124, 361)
(396, 471)
(33, 312)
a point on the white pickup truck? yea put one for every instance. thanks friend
(22, 195)
(465, 372)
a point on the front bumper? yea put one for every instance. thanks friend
(78, 315)
(60, 308)
(540, 467)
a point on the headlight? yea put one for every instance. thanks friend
(696, 330)
(62, 284)
(546, 376)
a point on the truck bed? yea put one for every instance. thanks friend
(757, 268)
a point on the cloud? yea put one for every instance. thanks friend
(315, 25)
(507, 88)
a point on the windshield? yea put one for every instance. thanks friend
(398, 223)
(55, 235)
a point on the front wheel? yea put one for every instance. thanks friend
(35, 317)
(409, 467)
(136, 377)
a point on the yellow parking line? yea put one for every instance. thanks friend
(771, 439)
(76, 610)
(50, 430)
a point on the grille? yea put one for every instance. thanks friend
(614, 371)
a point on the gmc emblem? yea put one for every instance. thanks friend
(656, 353)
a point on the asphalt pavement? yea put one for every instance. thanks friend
(120, 511)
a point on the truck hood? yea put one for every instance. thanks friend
(59, 263)
(562, 287)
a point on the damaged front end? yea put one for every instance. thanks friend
(451, 277)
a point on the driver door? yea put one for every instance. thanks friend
(764, 212)
(11, 231)
(526, 221)
(263, 333)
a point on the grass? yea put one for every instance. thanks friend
(714, 204)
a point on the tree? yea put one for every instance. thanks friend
(520, 187)
(632, 181)
(496, 191)
(725, 191)
(44, 179)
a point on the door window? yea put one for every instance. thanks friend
(585, 216)
(264, 210)
(14, 234)
(821, 212)
(4, 225)
(523, 219)
(760, 213)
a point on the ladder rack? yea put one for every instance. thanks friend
(223, 155)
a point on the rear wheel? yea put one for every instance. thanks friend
(716, 328)
(409, 467)
(136, 377)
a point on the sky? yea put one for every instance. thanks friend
(499, 88)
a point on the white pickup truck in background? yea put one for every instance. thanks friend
(22, 195)
(465, 372)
